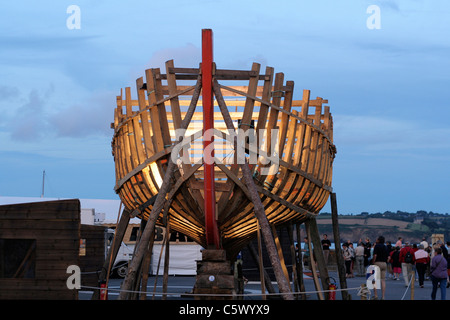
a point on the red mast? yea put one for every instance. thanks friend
(211, 230)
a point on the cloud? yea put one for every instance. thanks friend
(28, 123)
(186, 56)
(90, 117)
(40, 115)
(8, 92)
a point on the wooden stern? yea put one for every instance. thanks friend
(293, 186)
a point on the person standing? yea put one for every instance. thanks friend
(367, 247)
(399, 242)
(390, 273)
(347, 254)
(448, 266)
(444, 254)
(407, 261)
(326, 243)
(438, 274)
(359, 260)
(380, 257)
(352, 253)
(424, 243)
(395, 261)
(422, 259)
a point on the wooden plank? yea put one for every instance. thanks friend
(174, 103)
(233, 92)
(245, 125)
(158, 143)
(164, 127)
(287, 104)
(131, 136)
(313, 264)
(144, 116)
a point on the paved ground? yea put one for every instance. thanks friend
(180, 286)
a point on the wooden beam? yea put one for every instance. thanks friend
(315, 239)
(280, 252)
(313, 262)
(338, 250)
(158, 206)
(283, 285)
(113, 250)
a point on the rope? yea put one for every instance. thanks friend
(218, 294)
(410, 280)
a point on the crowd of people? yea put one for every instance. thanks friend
(399, 261)
(429, 262)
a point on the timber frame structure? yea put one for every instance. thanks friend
(165, 184)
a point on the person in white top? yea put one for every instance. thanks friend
(424, 243)
(422, 260)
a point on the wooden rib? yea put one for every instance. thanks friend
(280, 180)
(144, 116)
(314, 155)
(174, 103)
(162, 113)
(176, 117)
(158, 143)
(245, 125)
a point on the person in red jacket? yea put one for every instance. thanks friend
(407, 260)
(422, 260)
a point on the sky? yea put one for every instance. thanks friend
(385, 73)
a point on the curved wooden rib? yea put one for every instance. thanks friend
(144, 135)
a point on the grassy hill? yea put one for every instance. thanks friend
(412, 228)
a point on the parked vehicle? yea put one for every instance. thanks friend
(124, 255)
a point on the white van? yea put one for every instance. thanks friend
(124, 255)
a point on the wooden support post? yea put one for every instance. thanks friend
(265, 278)
(337, 245)
(146, 268)
(299, 263)
(137, 284)
(260, 262)
(163, 246)
(166, 263)
(280, 252)
(283, 284)
(113, 250)
(313, 262)
(290, 231)
(158, 205)
(320, 259)
(260, 214)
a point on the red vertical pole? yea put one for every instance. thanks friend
(211, 230)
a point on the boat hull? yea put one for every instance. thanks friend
(287, 143)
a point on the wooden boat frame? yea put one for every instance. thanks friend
(144, 140)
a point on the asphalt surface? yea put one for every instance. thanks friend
(180, 288)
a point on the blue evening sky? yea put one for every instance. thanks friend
(388, 88)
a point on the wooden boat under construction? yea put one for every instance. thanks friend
(287, 144)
